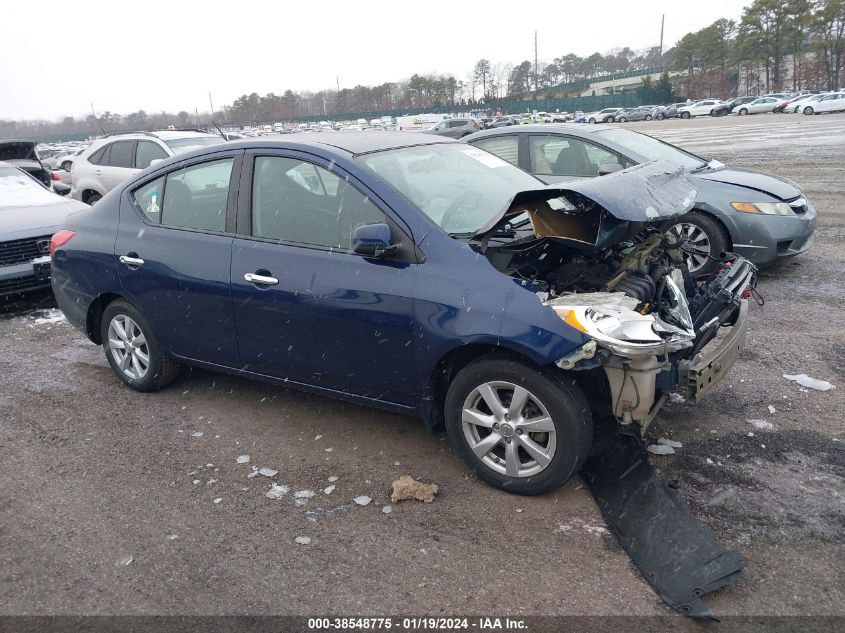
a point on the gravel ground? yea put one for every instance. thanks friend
(91, 472)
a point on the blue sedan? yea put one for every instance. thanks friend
(413, 273)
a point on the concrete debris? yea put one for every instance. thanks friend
(218, 500)
(197, 434)
(660, 449)
(667, 442)
(363, 500)
(123, 561)
(276, 491)
(172, 537)
(196, 481)
(242, 459)
(333, 478)
(329, 449)
(387, 509)
(772, 409)
(710, 461)
(762, 424)
(302, 540)
(408, 488)
(329, 489)
(303, 494)
(268, 472)
(252, 475)
(811, 383)
(317, 437)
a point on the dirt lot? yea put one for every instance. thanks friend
(91, 472)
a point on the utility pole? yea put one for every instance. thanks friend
(660, 54)
(536, 66)
(210, 103)
(197, 112)
(337, 79)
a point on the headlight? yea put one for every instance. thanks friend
(765, 208)
(625, 332)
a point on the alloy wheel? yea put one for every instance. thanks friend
(129, 347)
(508, 429)
(698, 244)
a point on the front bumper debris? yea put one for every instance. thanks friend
(701, 374)
(677, 554)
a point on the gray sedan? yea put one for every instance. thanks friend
(29, 215)
(762, 217)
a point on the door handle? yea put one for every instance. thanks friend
(98, 172)
(263, 280)
(131, 261)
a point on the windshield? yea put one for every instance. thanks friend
(18, 189)
(189, 143)
(650, 148)
(460, 188)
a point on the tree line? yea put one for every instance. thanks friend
(775, 45)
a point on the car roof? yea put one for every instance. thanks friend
(576, 128)
(353, 142)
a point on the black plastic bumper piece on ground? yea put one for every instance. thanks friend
(677, 554)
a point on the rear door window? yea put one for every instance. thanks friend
(122, 154)
(505, 147)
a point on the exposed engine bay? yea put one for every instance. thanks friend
(599, 257)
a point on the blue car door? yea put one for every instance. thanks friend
(174, 245)
(307, 308)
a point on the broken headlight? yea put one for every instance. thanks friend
(626, 332)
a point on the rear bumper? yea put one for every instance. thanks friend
(701, 375)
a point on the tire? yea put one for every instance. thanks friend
(66, 165)
(548, 395)
(705, 231)
(808, 110)
(660, 116)
(711, 112)
(93, 198)
(160, 369)
(648, 117)
(621, 119)
(685, 115)
(743, 111)
(593, 121)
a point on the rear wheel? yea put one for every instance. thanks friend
(660, 116)
(93, 198)
(520, 428)
(648, 117)
(66, 165)
(621, 119)
(133, 351)
(743, 111)
(706, 238)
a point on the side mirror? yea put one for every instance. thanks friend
(372, 240)
(609, 168)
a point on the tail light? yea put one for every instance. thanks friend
(475, 124)
(55, 176)
(60, 239)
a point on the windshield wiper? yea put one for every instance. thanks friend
(461, 236)
(701, 167)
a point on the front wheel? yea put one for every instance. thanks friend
(706, 240)
(648, 117)
(743, 112)
(621, 119)
(592, 120)
(522, 429)
(133, 351)
(685, 115)
(808, 110)
(660, 116)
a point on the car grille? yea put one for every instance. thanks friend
(25, 250)
(20, 284)
(798, 205)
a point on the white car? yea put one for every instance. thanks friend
(792, 104)
(109, 161)
(699, 108)
(763, 104)
(65, 161)
(603, 116)
(833, 102)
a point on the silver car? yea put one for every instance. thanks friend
(113, 159)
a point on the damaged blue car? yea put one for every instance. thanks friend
(416, 274)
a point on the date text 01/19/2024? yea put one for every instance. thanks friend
(417, 623)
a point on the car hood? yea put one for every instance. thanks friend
(775, 186)
(23, 217)
(644, 193)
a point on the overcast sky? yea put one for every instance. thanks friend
(167, 55)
